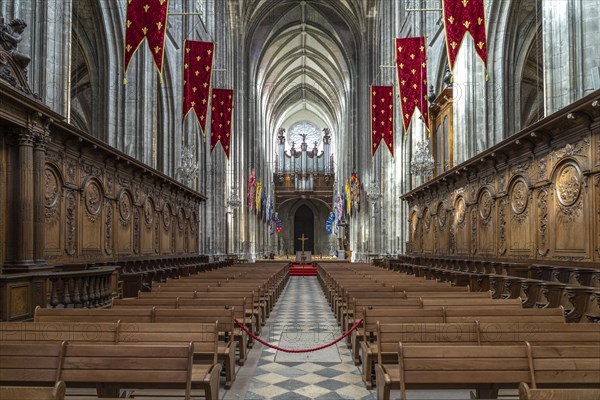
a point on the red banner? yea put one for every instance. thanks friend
(460, 17)
(411, 63)
(146, 19)
(221, 112)
(382, 117)
(197, 72)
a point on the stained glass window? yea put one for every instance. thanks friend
(299, 129)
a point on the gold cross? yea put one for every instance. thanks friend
(303, 239)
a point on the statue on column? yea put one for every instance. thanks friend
(10, 37)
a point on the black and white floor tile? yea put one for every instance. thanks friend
(302, 319)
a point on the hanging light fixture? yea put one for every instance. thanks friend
(188, 167)
(422, 163)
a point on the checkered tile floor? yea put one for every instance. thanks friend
(302, 319)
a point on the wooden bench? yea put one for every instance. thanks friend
(452, 314)
(471, 334)
(227, 329)
(57, 392)
(488, 368)
(205, 337)
(108, 368)
(526, 393)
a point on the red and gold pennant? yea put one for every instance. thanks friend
(146, 19)
(411, 63)
(221, 113)
(460, 17)
(197, 72)
(382, 117)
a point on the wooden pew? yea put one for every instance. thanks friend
(488, 368)
(57, 392)
(526, 393)
(205, 337)
(108, 368)
(226, 326)
(472, 334)
(451, 314)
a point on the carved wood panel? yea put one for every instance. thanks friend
(534, 197)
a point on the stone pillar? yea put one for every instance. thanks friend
(39, 185)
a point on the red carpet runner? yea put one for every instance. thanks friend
(302, 270)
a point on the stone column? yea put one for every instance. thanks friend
(39, 185)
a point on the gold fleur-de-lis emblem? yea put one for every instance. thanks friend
(423, 65)
(207, 68)
(401, 65)
(205, 84)
(467, 24)
(196, 72)
(209, 51)
(451, 19)
(465, 2)
(413, 71)
(194, 89)
(146, 8)
(203, 101)
(128, 47)
(185, 66)
(414, 85)
(406, 115)
(193, 103)
(412, 56)
(453, 45)
(479, 21)
(480, 45)
(156, 49)
(422, 48)
(198, 58)
(404, 99)
(403, 82)
(128, 23)
(400, 48)
(144, 29)
(159, 25)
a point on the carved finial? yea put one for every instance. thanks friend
(431, 95)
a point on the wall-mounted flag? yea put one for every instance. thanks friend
(460, 17)
(197, 72)
(382, 117)
(411, 64)
(146, 19)
(221, 117)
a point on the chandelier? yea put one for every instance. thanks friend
(422, 163)
(188, 167)
(234, 201)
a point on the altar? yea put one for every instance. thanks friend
(306, 254)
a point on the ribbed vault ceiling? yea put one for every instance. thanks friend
(302, 59)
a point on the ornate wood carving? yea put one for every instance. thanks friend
(543, 220)
(70, 226)
(93, 200)
(52, 193)
(108, 227)
(527, 197)
(502, 227)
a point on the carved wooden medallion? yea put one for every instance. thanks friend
(519, 197)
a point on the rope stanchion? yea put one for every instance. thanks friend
(356, 325)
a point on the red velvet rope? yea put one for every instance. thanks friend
(356, 325)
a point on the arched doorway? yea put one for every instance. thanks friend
(304, 223)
